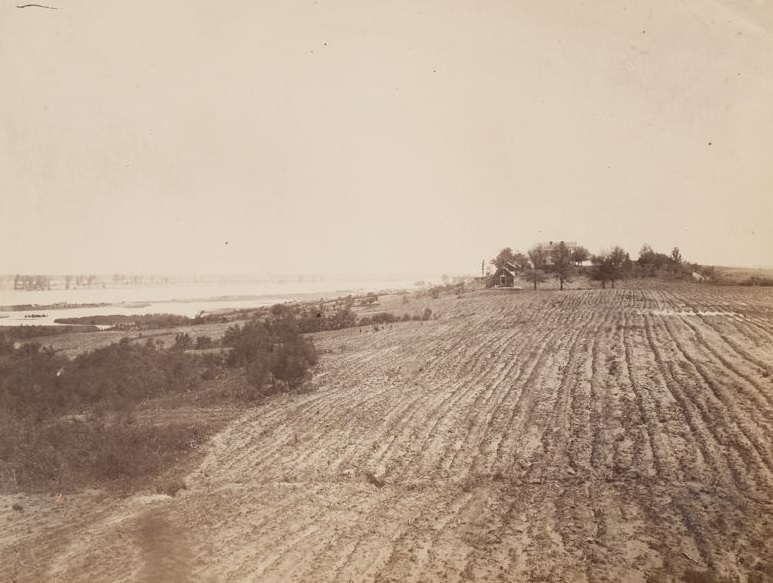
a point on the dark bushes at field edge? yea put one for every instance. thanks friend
(274, 353)
(52, 429)
(756, 280)
(142, 321)
(68, 423)
(34, 381)
(389, 318)
(53, 433)
(34, 331)
(66, 453)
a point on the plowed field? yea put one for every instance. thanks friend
(589, 435)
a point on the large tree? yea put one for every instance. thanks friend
(580, 254)
(561, 260)
(650, 262)
(521, 262)
(506, 255)
(609, 266)
(536, 267)
(601, 268)
(617, 259)
(677, 261)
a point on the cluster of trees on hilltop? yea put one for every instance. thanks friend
(563, 262)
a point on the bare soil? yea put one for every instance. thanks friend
(589, 435)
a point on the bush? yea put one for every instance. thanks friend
(756, 280)
(69, 423)
(27, 332)
(204, 343)
(270, 351)
(127, 371)
(380, 318)
(292, 360)
(307, 320)
(246, 342)
(182, 342)
(34, 381)
(281, 310)
(29, 379)
(341, 319)
(67, 454)
(258, 370)
(369, 299)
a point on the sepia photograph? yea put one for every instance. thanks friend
(386, 291)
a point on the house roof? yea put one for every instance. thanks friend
(509, 268)
(548, 245)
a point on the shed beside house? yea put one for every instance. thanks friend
(504, 276)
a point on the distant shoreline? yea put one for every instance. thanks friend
(57, 306)
(29, 314)
(297, 296)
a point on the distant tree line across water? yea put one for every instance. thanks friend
(31, 282)
(54, 281)
(90, 281)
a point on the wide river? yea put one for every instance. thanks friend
(184, 300)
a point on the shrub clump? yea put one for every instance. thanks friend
(274, 353)
(379, 318)
(756, 280)
(67, 453)
(67, 423)
(37, 382)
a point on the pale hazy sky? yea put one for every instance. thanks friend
(364, 136)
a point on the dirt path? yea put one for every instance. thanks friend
(580, 436)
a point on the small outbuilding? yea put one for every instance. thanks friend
(504, 276)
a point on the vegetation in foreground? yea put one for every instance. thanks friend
(68, 423)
